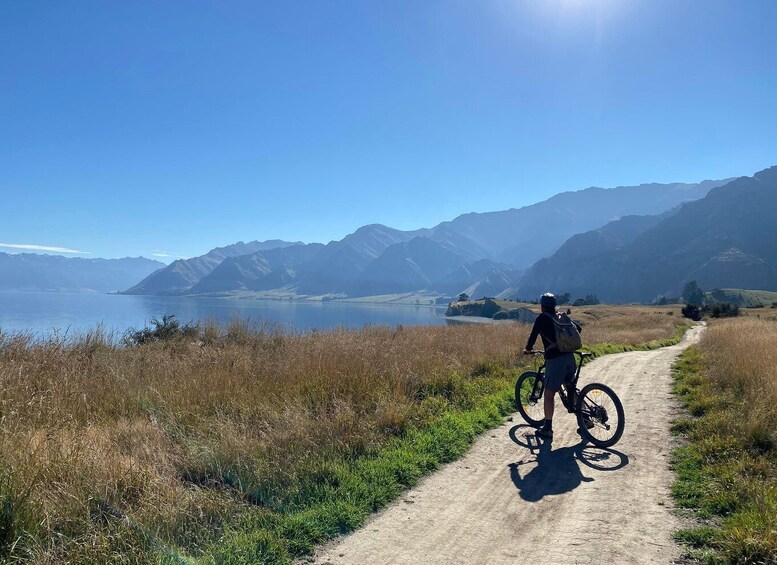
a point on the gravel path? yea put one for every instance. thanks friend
(512, 499)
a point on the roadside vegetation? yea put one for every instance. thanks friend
(727, 471)
(244, 443)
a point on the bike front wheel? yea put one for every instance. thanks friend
(600, 415)
(528, 397)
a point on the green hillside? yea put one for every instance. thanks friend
(742, 297)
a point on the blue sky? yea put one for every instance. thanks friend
(148, 127)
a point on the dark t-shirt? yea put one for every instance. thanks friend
(543, 326)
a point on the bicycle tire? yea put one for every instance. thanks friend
(528, 398)
(599, 404)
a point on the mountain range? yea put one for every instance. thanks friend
(727, 239)
(623, 244)
(31, 271)
(180, 276)
(475, 253)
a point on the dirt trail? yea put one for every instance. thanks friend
(509, 501)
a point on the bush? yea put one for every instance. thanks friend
(717, 310)
(721, 310)
(166, 329)
(692, 311)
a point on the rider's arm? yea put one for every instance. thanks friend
(535, 331)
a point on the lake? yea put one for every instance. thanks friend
(48, 313)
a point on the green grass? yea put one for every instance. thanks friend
(726, 472)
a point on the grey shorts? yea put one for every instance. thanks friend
(558, 370)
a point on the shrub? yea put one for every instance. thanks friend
(692, 311)
(166, 329)
(721, 310)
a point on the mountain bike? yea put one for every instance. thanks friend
(598, 409)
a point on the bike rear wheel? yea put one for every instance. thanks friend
(599, 405)
(528, 397)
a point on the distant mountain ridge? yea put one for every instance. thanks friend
(259, 271)
(591, 241)
(726, 240)
(511, 236)
(32, 271)
(478, 253)
(339, 262)
(417, 264)
(180, 276)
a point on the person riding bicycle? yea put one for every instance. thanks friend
(559, 367)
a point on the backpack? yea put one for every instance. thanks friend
(567, 336)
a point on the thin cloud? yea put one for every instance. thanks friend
(51, 248)
(166, 255)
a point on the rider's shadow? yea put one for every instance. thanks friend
(558, 470)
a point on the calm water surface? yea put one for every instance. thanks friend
(47, 313)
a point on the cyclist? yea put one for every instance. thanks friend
(559, 367)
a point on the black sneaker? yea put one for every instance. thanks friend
(545, 432)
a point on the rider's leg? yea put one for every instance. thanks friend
(571, 396)
(549, 404)
(546, 431)
(554, 375)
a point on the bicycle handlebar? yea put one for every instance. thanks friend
(582, 354)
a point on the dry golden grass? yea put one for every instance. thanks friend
(760, 313)
(627, 325)
(742, 356)
(106, 451)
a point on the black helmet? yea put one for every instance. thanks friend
(548, 299)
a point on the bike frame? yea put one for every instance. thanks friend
(562, 391)
(588, 406)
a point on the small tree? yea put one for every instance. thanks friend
(463, 297)
(693, 294)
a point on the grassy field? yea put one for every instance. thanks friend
(245, 443)
(727, 472)
(742, 297)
